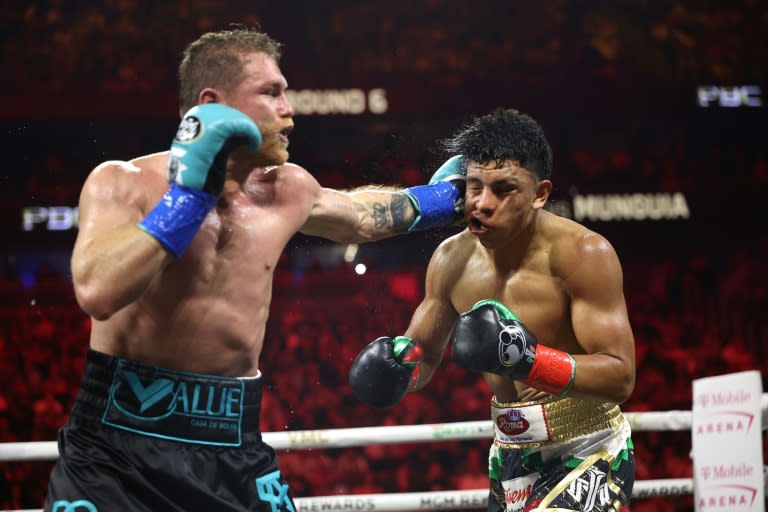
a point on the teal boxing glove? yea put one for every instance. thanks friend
(441, 202)
(196, 171)
(454, 169)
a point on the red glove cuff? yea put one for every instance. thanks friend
(414, 357)
(553, 371)
(409, 354)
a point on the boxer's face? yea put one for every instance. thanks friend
(501, 201)
(261, 96)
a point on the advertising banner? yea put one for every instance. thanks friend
(727, 443)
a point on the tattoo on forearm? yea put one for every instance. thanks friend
(379, 215)
(400, 205)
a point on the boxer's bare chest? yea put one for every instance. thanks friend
(538, 297)
(257, 220)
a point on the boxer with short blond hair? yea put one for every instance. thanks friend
(535, 303)
(174, 262)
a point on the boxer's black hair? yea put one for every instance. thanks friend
(502, 135)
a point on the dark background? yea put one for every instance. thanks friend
(614, 84)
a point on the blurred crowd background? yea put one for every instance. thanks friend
(614, 83)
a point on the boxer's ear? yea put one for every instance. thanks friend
(209, 95)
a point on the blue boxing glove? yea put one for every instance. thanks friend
(196, 171)
(441, 202)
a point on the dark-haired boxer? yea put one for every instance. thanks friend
(174, 262)
(534, 302)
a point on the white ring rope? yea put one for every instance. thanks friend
(363, 436)
(436, 500)
(450, 500)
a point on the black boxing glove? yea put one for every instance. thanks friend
(385, 370)
(491, 338)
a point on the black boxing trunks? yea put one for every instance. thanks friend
(560, 454)
(142, 438)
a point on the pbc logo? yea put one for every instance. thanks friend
(512, 422)
(730, 96)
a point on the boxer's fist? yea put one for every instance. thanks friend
(453, 170)
(207, 134)
(386, 370)
(441, 201)
(196, 170)
(490, 338)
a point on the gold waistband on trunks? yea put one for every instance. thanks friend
(537, 423)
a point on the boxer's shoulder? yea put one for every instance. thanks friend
(147, 167)
(455, 251)
(127, 180)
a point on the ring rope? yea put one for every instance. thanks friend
(451, 500)
(362, 436)
(468, 499)
(674, 420)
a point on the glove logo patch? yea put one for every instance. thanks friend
(512, 345)
(189, 129)
(512, 422)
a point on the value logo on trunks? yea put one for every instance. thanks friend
(273, 491)
(73, 506)
(174, 405)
